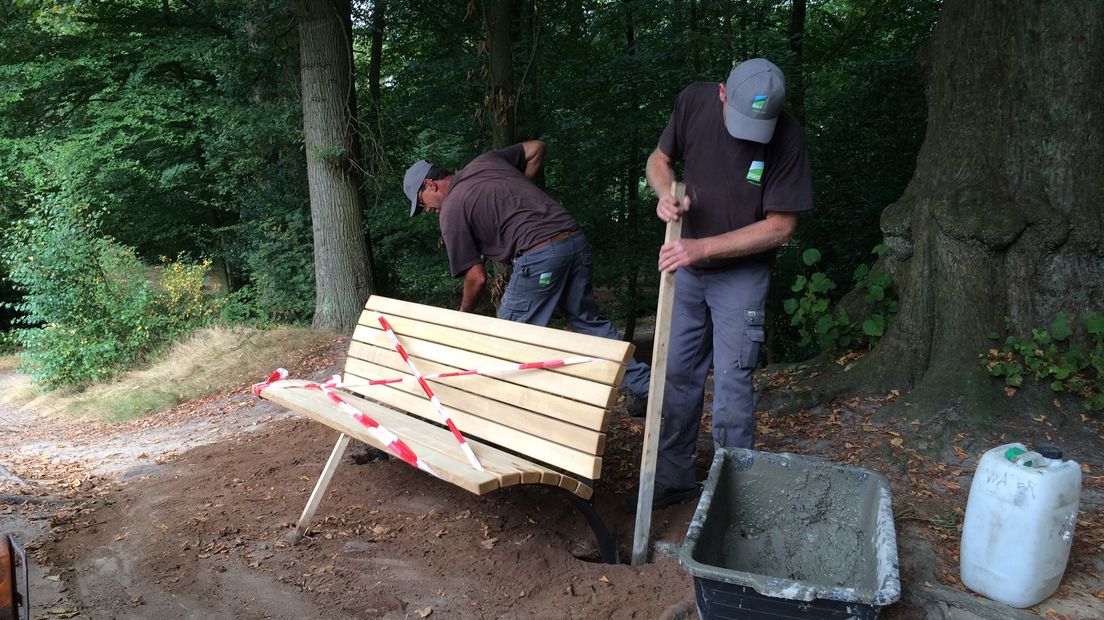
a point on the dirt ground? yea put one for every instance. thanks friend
(187, 514)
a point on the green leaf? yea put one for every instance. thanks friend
(879, 249)
(821, 283)
(882, 279)
(1094, 323)
(1056, 386)
(824, 324)
(1060, 329)
(810, 257)
(860, 272)
(875, 293)
(790, 306)
(874, 326)
(799, 284)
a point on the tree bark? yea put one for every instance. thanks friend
(499, 24)
(1003, 215)
(343, 278)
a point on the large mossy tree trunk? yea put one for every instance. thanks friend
(1003, 216)
(342, 272)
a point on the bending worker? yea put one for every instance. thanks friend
(491, 208)
(747, 176)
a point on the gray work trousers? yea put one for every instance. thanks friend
(718, 320)
(559, 276)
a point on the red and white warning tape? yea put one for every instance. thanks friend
(429, 394)
(387, 437)
(384, 436)
(479, 371)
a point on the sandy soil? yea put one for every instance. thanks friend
(187, 514)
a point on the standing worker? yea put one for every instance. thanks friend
(747, 176)
(491, 208)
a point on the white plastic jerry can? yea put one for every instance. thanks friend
(1019, 524)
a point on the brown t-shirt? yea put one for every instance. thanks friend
(492, 209)
(732, 182)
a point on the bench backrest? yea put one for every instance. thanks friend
(555, 416)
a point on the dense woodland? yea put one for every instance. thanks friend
(165, 164)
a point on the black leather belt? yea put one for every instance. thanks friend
(557, 237)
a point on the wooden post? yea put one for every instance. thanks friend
(320, 487)
(655, 394)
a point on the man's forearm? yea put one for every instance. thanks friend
(534, 157)
(474, 280)
(659, 173)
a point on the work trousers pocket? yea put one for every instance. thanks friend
(754, 336)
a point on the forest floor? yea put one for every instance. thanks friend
(187, 514)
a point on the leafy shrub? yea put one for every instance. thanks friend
(1049, 355)
(9, 343)
(279, 257)
(91, 305)
(820, 321)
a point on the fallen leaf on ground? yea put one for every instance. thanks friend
(489, 543)
(423, 612)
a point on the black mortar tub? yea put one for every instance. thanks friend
(789, 536)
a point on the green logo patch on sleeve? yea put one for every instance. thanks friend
(755, 173)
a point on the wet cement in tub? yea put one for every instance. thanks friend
(787, 517)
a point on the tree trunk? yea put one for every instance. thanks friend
(343, 279)
(499, 23)
(1003, 215)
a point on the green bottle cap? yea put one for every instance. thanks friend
(1012, 453)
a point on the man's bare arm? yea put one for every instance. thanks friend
(534, 157)
(474, 280)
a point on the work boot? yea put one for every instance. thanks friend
(637, 406)
(661, 496)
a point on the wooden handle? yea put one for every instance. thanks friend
(662, 338)
(678, 192)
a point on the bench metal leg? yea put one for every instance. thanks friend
(607, 546)
(320, 487)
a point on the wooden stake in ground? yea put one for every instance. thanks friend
(655, 394)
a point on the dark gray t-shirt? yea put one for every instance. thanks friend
(494, 210)
(732, 182)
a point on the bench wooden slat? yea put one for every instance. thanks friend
(538, 448)
(601, 370)
(373, 364)
(579, 344)
(436, 446)
(375, 346)
(493, 411)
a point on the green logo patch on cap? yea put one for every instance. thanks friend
(759, 103)
(545, 278)
(755, 173)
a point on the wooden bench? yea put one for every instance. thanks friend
(542, 426)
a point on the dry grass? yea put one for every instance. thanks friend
(211, 361)
(8, 362)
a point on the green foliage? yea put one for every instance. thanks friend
(9, 343)
(181, 122)
(812, 313)
(93, 309)
(1051, 356)
(822, 322)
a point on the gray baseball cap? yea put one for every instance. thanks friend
(754, 94)
(412, 182)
